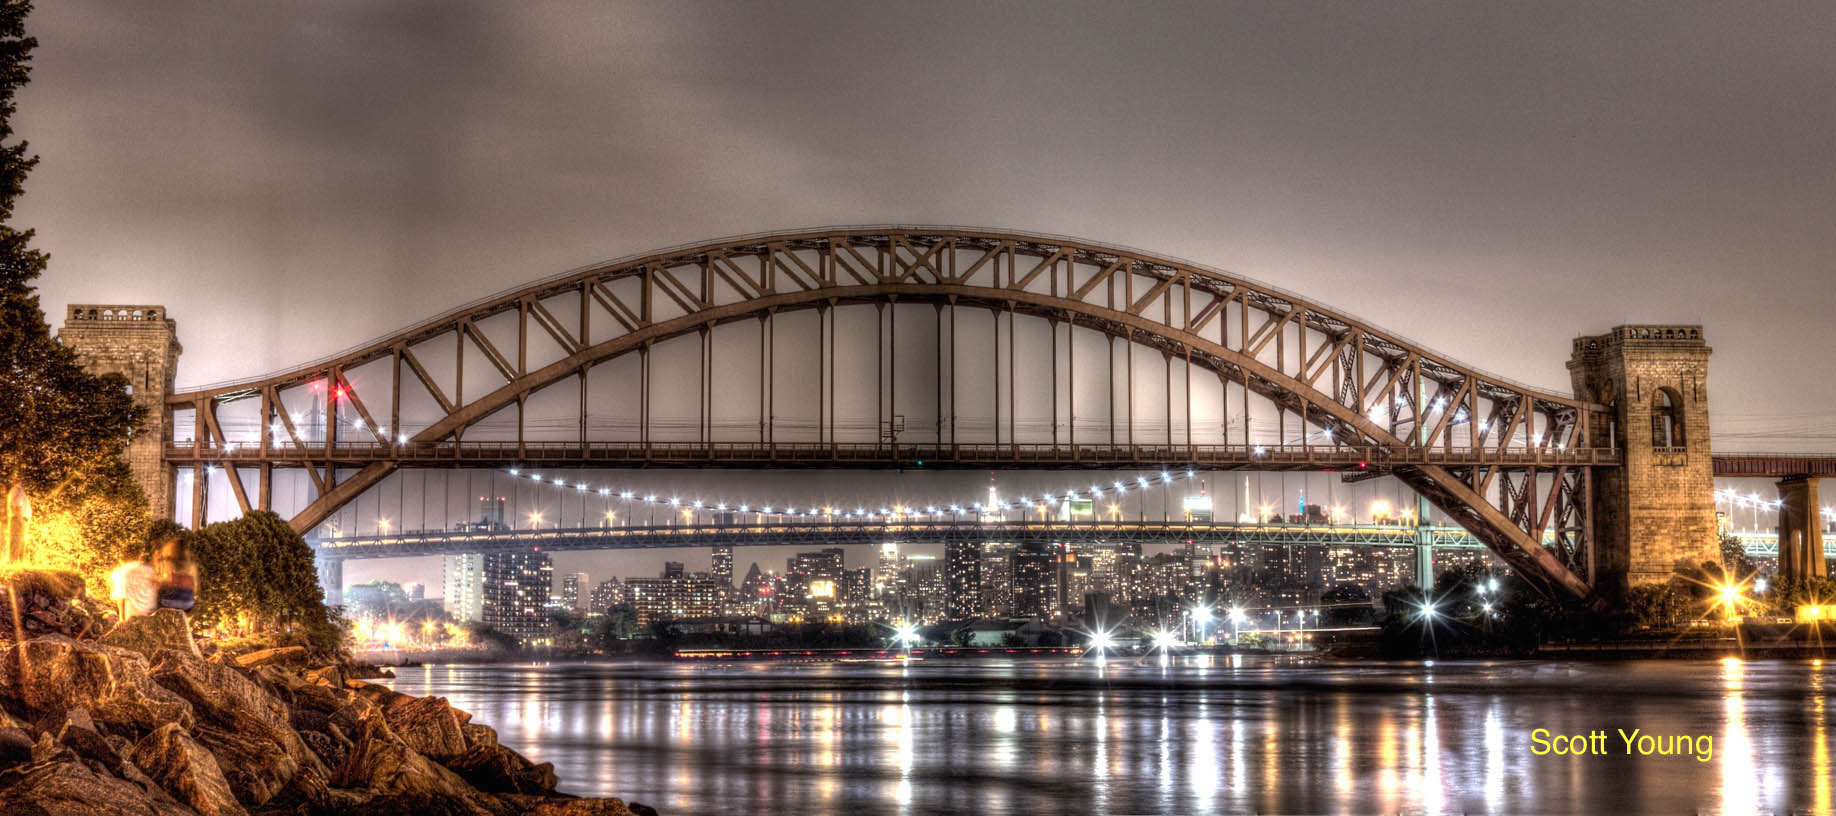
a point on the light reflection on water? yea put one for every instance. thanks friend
(1196, 735)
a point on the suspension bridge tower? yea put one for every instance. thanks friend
(1657, 513)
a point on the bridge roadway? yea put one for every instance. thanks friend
(1777, 465)
(830, 534)
(487, 453)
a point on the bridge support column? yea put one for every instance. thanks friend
(1655, 514)
(331, 579)
(1424, 544)
(1800, 530)
(141, 344)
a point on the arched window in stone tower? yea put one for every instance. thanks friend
(1667, 419)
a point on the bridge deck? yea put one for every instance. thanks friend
(828, 534)
(750, 454)
(824, 534)
(1780, 465)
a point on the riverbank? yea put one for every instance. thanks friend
(145, 719)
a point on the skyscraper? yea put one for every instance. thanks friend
(1035, 574)
(515, 593)
(572, 596)
(963, 579)
(723, 565)
(462, 586)
(997, 580)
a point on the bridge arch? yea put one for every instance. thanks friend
(1511, 463)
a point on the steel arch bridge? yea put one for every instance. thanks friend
(1276, 381)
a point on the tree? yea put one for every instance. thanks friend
(257, 573)
(57, 421)
(99, 519)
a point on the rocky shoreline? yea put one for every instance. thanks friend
(138, 721)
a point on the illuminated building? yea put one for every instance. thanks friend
(608, 594)
(462, 586)
(754, 593)
(963, 579)
(570, 595)
(515, 594)
(924, 584)
(1035, 579)
(997, 577)
(674, 595)
(857, 594)
(722, 569)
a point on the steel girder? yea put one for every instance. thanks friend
(1471, 442)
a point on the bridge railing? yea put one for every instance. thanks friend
(1043, 454)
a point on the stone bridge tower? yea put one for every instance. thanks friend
(1657, 513)
(140, 343)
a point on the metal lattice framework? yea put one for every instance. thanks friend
(1511, 463)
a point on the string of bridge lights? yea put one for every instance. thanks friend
(1095, 491)
(1733, 497)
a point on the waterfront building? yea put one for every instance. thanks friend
(674, 595)
(609, 593)
(515, 594)
(462, 586)
(571, 594)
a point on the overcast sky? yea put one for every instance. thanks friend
(1490, 179)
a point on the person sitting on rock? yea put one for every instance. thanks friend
(176, 573)
(135, 586)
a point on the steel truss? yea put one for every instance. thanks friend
(1510, 462)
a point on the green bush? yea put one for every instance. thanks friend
(256, 575)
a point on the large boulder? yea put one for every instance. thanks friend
(279, 656)
(331, 749)
(332, 675)
(429, 725)
(496, 769)
(256, 767)
(187, 771)
(15, 747)
(476, 735)
(380, 695)
(80, 734)
(64, 787)
(148, 634)
(323, 699)
(225, 698)
(371, 803)
(53, 674)
(551, 806)
(380, 761)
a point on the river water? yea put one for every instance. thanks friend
(1196, 734)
